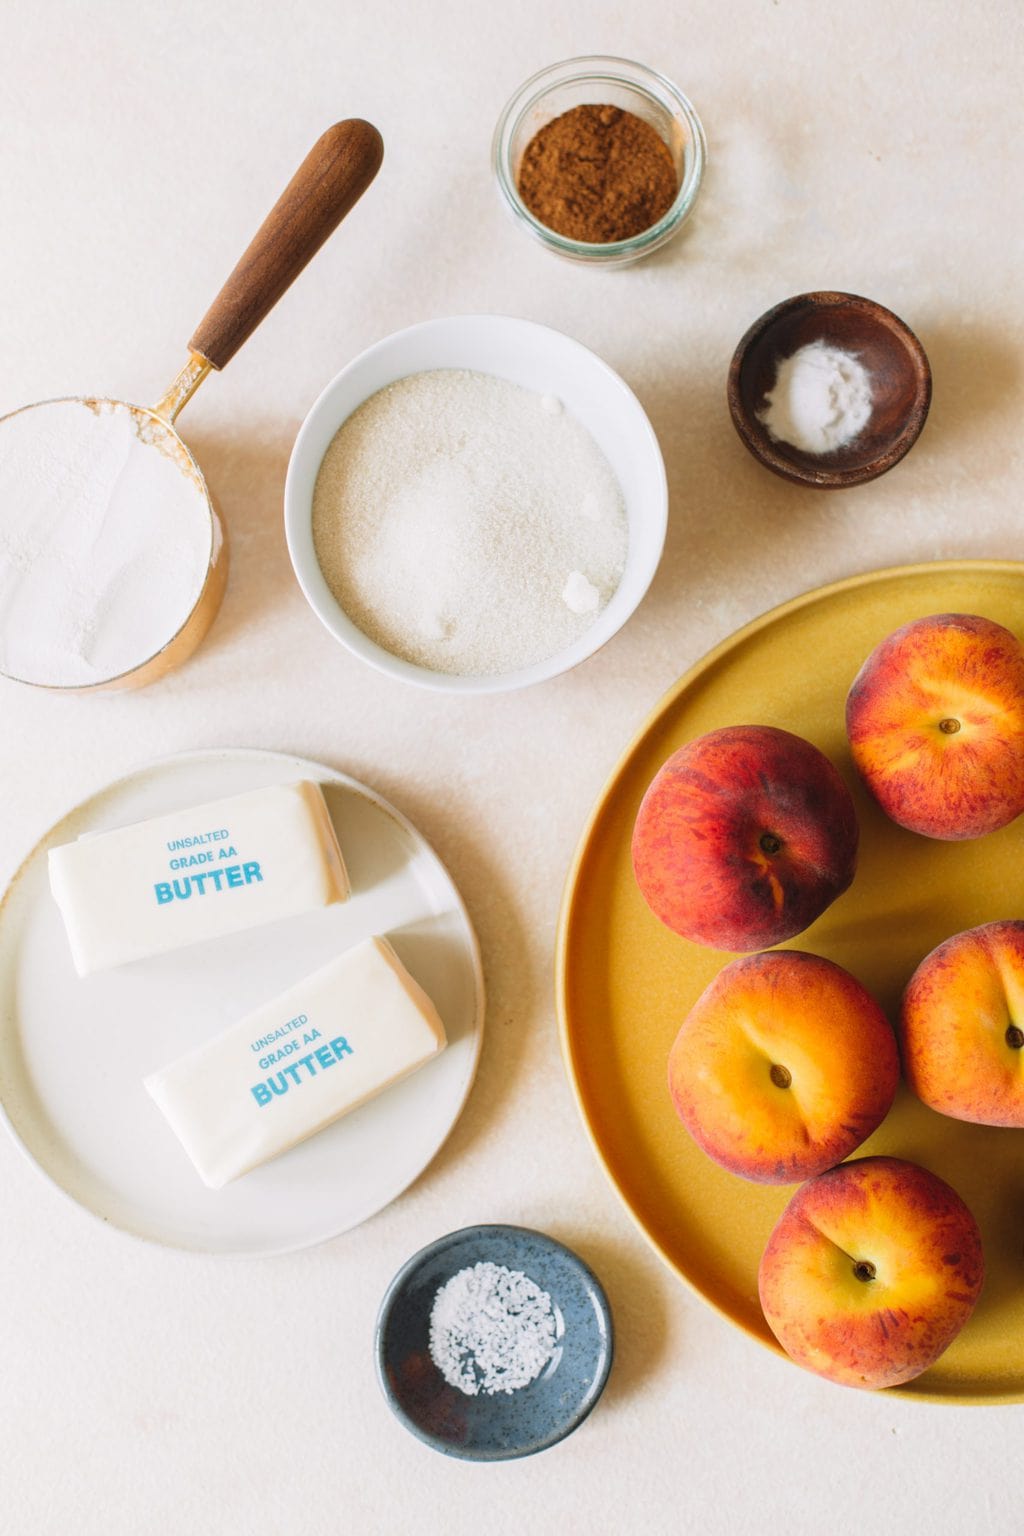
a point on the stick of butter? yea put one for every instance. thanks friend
(298, 1063)
(196, 874)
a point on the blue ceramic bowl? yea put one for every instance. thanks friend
(503, 1425)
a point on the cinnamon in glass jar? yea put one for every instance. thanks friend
(597, 174)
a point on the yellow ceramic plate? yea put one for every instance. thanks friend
(625, 982)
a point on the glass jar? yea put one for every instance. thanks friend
(612, 82)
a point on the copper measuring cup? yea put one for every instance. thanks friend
(330, 180)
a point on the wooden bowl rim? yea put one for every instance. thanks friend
(755, 437)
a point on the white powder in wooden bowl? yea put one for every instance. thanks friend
(820, 400)
(467, 524)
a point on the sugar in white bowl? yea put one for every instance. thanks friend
(573, 385)
(456, 517)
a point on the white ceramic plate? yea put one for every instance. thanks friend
(74, 1051)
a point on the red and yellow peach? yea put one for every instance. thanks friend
(871, 1272)
(935, 718)
(783, 1067)
(961, 1026)
(744, 837)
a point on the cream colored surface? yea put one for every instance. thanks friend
(873, 148)
(370, 1017)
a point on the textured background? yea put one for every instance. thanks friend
(870, 147)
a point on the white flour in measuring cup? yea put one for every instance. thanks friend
(105, 541)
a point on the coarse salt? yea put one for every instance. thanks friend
(492, 1329)
(452, 513)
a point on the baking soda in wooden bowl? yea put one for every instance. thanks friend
(468, 524)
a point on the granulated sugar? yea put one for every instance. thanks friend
(467, 524)
(492, 1329)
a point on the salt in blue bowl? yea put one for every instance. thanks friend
(504, 1425)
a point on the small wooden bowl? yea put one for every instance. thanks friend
(901, 383)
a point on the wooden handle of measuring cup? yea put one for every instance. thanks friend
(331, 179)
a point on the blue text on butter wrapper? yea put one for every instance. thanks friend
(327, 1056)
(223, 879)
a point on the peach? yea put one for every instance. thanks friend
(744, 837)
(961, 1026)
(783, 1066)
(935, 718)
(871, 1272)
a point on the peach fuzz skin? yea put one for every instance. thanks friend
(935, 719)
(871, 1272)
(961, 1026)
(783, 1066)
(744, 837)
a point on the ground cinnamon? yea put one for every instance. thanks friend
(597, 174)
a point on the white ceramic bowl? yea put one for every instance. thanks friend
(539, 359)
